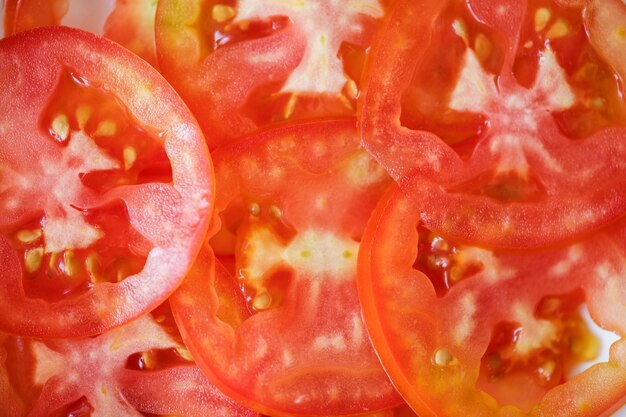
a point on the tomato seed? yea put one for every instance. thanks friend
(262, 301)
(443, 357)
(542, 17)
(29, 236)
(130, 156)
(559, 29)
(32, 259)
(106, 128)
(60, 128)
(222, 12)
(83, 113)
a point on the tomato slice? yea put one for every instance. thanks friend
(520, 100)
(105, 196)
(296, 200)
(134, 370)
(242, 65)
(503, 334)
(131, 23)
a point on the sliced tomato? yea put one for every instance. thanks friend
(241, 65)
(531, 145)
(105, 185)
(464, 330)
(135, 370)
(295, 200)
(130, 23)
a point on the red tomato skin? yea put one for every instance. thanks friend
(28, 81)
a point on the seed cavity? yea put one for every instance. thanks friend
(29, 236)
(130, 156)
(33, 259)
(222, 13)
(61, 127)
(542, 17)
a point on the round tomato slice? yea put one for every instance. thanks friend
(105, 185)
(134, 370)
(295, 201)
(130, 23)
(241, 65)
(463, 330)
(529, 147)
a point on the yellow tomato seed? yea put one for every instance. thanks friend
(222, 13)
(542, 17)
(83, 113)
(254, 209)
(184, 353)
(29, 236)
(130, 156)
(290, 107)
(61, 127)
(443, 357)
(558, 30)
(106, 128)
(33, 259)
(262, 301)
(483, 47)
(70, 263)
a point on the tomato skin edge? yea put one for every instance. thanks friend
(370, 313)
